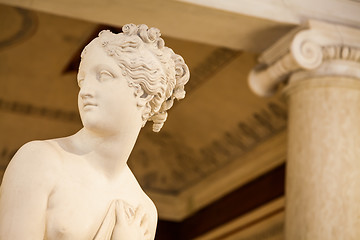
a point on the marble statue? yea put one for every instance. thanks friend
(80, 187)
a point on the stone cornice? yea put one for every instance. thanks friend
(306, 48)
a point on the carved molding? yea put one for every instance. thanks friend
(306, 48)
(26, 108)
(188, 166)
(213, 63)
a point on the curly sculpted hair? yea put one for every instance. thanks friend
(156, 73)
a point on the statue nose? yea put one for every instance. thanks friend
(86, 90)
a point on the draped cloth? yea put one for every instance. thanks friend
(108, 224)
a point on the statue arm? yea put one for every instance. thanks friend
(27, 184)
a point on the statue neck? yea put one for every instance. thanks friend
(107, 153)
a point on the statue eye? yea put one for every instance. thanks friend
(105, 75)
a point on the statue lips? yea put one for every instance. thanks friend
(89, 105)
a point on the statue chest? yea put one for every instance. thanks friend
(78, 206)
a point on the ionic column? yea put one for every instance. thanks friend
(319, 64)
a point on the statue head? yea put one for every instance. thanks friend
(154, 71)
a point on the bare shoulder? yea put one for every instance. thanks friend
(147, 200)
(38, 147)
(37, 154)
(151, 206)
(153, 213)
(34, 160)
(148, 204)
(28, 181)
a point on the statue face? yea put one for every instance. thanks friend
(106, 103)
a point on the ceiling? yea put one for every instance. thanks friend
(218, 138)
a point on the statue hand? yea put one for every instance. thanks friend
(130, 223)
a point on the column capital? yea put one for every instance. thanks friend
(313, 48)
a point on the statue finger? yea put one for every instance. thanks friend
(129, 212)
(120, 213)
(139, 214)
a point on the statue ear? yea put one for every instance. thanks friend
(143, 100)
(144, 107)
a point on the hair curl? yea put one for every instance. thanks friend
(158, 77)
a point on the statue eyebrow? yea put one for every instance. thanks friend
(115, 71)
